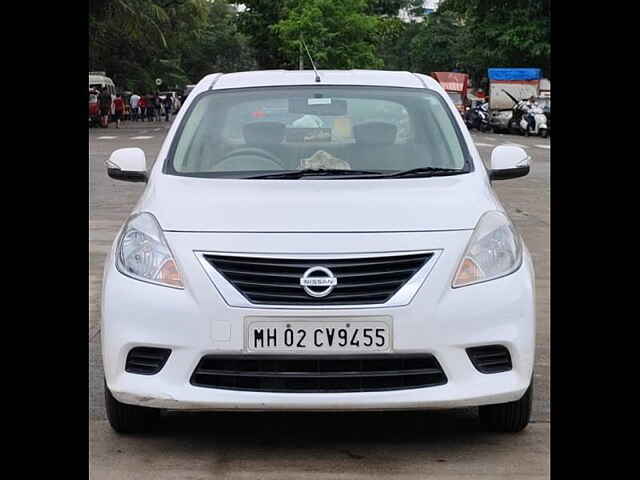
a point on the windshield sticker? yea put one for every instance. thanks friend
(318, 101)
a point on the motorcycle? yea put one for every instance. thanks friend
(540, 123)
(478, 118)
(519, 123)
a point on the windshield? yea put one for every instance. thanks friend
(455, 98)
(242, 132)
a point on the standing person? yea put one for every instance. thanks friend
(105, 101)
(148, 101)
(118, 104)
(168, 103)
(157, 104)
(485, 105)
(142, 104)
(531, 108)
(135, 99)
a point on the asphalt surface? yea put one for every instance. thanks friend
(404, 445)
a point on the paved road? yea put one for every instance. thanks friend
(279, 446)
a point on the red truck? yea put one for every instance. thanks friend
(456, 85)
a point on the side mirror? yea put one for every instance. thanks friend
(127, 164)
(508, 161)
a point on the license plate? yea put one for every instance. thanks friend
(318, 335)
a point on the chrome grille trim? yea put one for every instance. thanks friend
(234, 298)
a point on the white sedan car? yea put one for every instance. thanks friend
(339, 267)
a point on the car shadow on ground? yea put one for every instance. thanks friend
(317, 427)
(314, 445)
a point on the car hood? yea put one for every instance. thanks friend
(395, 205)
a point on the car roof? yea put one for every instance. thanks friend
(265, 78)
(101, 79)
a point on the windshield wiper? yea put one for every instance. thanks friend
(425, 172)
(312, 172)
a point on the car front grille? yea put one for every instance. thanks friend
(490, 358)
(319, 374)
(276, 281)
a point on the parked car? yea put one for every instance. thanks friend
(359, 271)
(99, 81)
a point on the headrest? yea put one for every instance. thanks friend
(375, 133)
(263, 132)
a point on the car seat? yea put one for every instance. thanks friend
(267, 136)
(374, 147)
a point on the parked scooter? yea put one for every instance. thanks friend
(540, 123)
(520, 124)
(478, 117)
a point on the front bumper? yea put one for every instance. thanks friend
(439, 320)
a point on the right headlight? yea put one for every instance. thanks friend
(494, 251)
(143, 253)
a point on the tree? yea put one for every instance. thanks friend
(255, 23)
(219, 46)
(439, 44)
(387, 7)
(504, 33)
(136, 41)
(393, 40)
(339, 33)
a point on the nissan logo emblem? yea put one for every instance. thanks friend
(323, 278)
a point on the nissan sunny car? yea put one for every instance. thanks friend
(318, 244)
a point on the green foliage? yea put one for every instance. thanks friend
(504, 33)
(394, 37)
(387, 7)
(439, 44)
(180, 41)
(255, 23)
(339, 33)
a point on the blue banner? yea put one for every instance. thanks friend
(514, 74)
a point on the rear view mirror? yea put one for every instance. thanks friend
(128, 164)
(318, 106)
(508, 161)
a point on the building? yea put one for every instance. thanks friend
(428, 7)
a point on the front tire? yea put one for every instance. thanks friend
(125, 418)
(508, 417)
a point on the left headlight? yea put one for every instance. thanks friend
(494, 251)
(143, 253)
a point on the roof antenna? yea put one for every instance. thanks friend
(310, 59)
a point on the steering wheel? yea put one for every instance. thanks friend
(249, 158)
